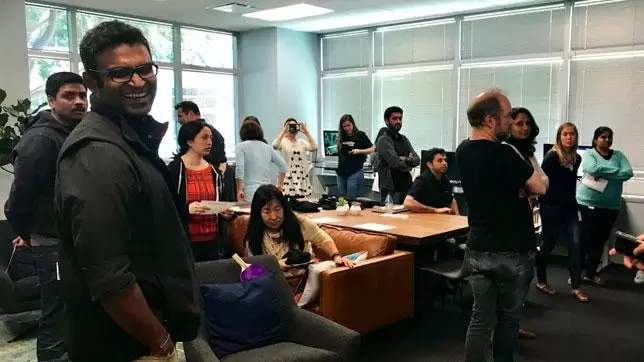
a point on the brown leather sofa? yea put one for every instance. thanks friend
(377, 292)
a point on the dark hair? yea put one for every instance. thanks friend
(487, 105)
(188, 132)
(342, 135)
(290, 120)
(251, 130)
(291, 232)
(107, 36)
(57, 80)
(433, 152)
(391, 110)
(525, 146)
(598, 132)
(188, 106)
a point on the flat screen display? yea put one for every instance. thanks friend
(330, 147)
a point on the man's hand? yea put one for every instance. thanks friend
(20, 243)
(241, 196)
(631, 262)
(443, 210)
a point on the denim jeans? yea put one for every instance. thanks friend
(596, 225)
(51, 328)
(351, 186)
(555, 221)
(499, 282)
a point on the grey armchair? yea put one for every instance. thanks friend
(309, 336)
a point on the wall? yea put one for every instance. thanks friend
(279, 78)
(14, 72)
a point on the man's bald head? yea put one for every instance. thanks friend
(490, 103)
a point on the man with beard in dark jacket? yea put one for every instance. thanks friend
(30, 207)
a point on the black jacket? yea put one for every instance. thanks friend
(119, 224)
(178, 181)
(30, 207)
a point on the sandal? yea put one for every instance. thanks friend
(580, 296)
(545, 288)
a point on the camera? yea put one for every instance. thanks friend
(293, 127)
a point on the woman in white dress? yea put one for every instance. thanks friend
(295, 153)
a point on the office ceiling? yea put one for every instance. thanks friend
(347, 14)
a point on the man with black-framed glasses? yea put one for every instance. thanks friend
(126, 267)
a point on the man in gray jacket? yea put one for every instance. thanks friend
(396, 157)
(30, 207)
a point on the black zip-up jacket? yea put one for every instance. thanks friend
(119, 224)
(30, 207)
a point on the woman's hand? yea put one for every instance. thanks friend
(197, 208)
(341, 260)
(633, 263)
(227, 214)
(303, 128)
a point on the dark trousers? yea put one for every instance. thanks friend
(556, 221)
(499, 282)
(210, 250)
(51, 328)
(398, 196)
(596, 225)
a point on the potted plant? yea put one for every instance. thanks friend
(342, 206)
(12, 125)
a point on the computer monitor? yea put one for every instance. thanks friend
(580, 150)
(330, 146)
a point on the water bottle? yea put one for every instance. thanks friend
(389, 204)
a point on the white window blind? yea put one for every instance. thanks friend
(610, 93)
(346, 95)
(427, 100)
(418, 44)
(608, 24)
(535, 87)
(347, 51)
(520, 34)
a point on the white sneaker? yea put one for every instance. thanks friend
(639, 277)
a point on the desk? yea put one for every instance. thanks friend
(416, 229)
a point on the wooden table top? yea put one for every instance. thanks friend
(410, 228)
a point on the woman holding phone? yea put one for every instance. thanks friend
(353, 148)
(599, 197)
(295, 153)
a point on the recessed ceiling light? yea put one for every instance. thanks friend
(233, 8)
(290, 12)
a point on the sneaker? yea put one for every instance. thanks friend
(595, 280)
(639, 277)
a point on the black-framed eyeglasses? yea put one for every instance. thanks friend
(125, 74)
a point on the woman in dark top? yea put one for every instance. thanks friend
(558, 209)
(353, 148)
(198, 180)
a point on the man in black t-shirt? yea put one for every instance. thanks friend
(431, 192)
(501, 242)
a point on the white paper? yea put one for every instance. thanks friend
(241, 210)
(396, 216)
(324, 220)
(598, 185)
(374, 227)
(216, 207)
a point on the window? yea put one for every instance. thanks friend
(416, 44)
(348, 94)
(47, 29)
(346, 51)
(610, 93)
(426, 98)
(39, 71)
(159, 35)
(524, 32)
(206, 48)
(533, 86)
(215, 95)
(594, 25)
(163, 111)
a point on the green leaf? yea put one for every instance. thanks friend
(11, 111)
(4, 118)
(3, 95)
(37, 109)
(23, 105)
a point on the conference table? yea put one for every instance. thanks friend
(417, 229)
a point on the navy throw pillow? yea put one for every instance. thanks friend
(243, 315)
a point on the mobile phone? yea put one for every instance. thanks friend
(626, 243)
